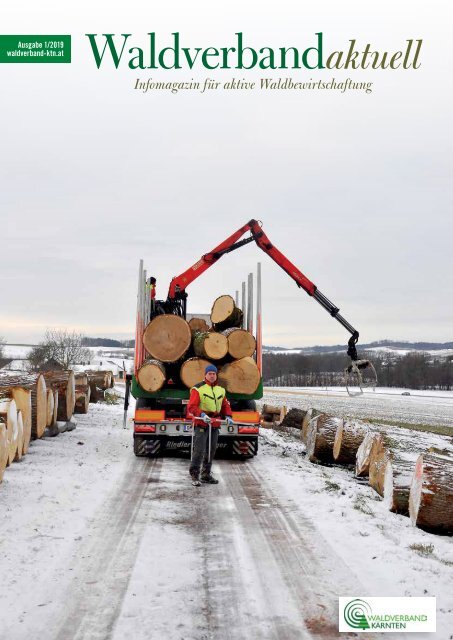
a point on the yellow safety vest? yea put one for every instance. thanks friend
(211, 398)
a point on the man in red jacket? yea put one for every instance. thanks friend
(207, 400)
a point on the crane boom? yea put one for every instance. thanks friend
(179, 283)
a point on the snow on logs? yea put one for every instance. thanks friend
(362, 462)
(431, 494)
(348, 438)
(309, 416)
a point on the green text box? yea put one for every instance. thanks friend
(30, 48)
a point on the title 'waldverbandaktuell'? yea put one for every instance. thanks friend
(118, 49)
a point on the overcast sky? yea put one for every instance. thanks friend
(355, 189)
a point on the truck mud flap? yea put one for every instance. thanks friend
(149, 447)
(237, 447)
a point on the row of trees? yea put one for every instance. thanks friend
(414, 370)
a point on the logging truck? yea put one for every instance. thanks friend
(172, 351)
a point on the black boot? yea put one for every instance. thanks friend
(195, 479)
(209, 478)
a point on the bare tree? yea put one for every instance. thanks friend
(63, 346)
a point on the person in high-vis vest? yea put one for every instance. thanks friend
(207, 400)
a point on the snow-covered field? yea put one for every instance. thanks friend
(95, 543)
(389, 405)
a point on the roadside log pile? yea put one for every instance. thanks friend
(33, 405)
(413, 477)
(64, 383)
(99, 382)
(178, 350)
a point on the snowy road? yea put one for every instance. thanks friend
(214, 562)
(97, 544)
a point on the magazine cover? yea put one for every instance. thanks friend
(226, 360)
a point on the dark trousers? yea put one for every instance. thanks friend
(200, 450)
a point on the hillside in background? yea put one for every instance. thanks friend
(392, 345)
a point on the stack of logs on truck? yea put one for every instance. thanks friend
(177, 352)
(33, 405)
(414, 478)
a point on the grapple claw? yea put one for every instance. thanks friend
(360, 375)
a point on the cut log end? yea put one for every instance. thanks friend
(167, 338)
(240, 376)
(431, 494)
(192, 371)
(151, 375)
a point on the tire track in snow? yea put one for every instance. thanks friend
(102, 573)
(291, 551)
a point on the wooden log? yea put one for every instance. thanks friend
(38, 413)
(348, 438)
(225, 314)
(293, 419)
(268, 424)
(269, 409)
(241, 343)
(3, 448)
(192, 371)
(397, 482)
(431, 494)
(198, 324)
(39, 408)
(96, 394)
(151, 375)
(50, 407)
(309, 416)
(362, 462)
(210, 345)
(388, 447)
(381, 453)
(167, 338)
(240, 376)
(82, 395)
(321, 438)
(8, 415)
(64, 382)
(55, 406)
(80, 378)
(22, 398)
(20, 439)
